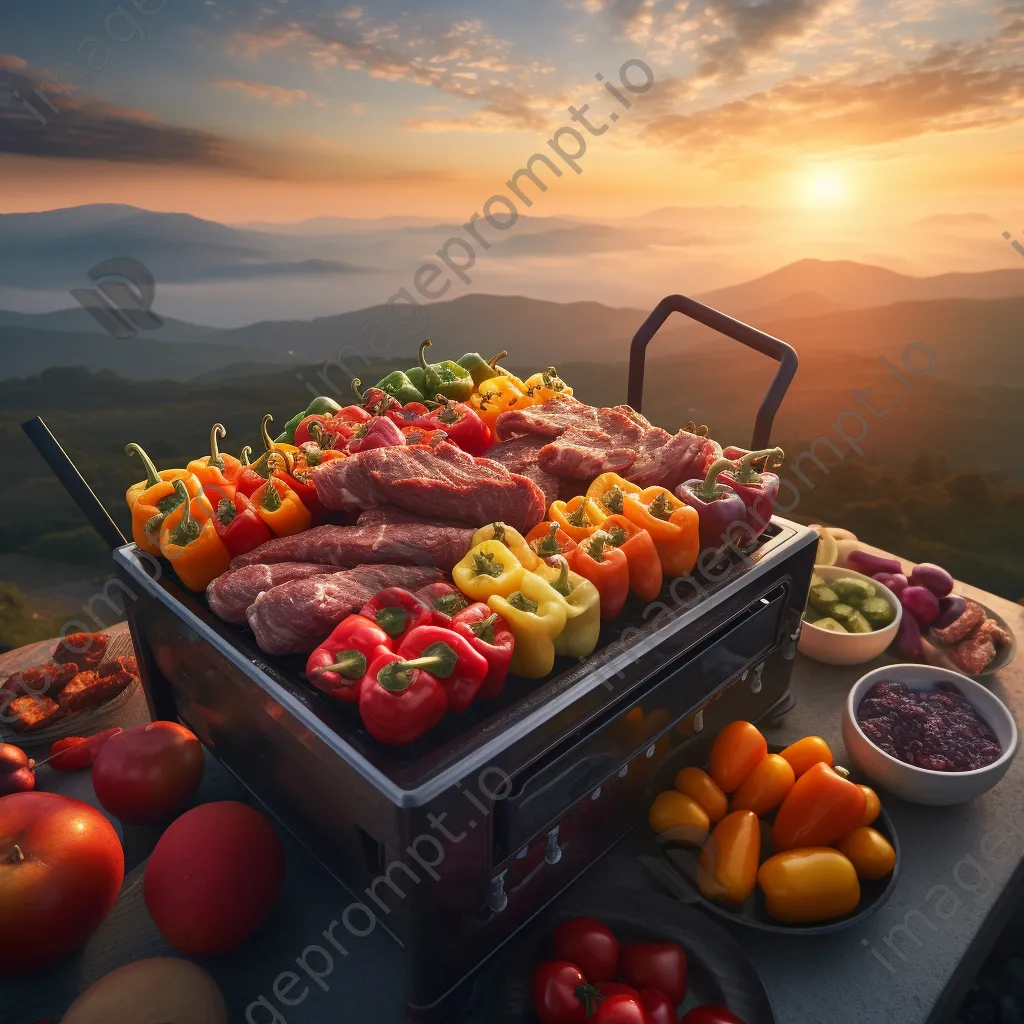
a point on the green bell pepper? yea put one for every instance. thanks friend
(399, 386)
(445, 378)
(479, 368)
(419, 380)
(320, 406)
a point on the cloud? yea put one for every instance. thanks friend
(272, 94)
(356, 109)
(10, 62)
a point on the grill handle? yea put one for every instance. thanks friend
(784, 354)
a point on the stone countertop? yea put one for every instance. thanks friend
(962, 875)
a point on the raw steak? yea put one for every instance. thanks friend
(670, 459)
(442, 482)
(583, 453)
(416, 542)
(231, 593)
(294, 617)
(519, 455)
(548, 419)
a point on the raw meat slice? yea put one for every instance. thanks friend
(549, 419)
(230, 594)
(584, 453)
(670, 459)
(418, 542)
(294, 617)
(519, 455)
(622, 428)
(442, 482)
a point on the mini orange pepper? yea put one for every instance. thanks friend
(728, 863)
(698, 785)
(281, 508)
(608, 490)
(873, 806)
(194, 550)
(216, 472)
(806, 753)
(738, 749)
(599, 561)
(642, 558)
(151, 499)
(765, 787)
(820, 809)
(672, 525)
(579, 517)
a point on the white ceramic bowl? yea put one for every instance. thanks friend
(921, 785)
(849, 648)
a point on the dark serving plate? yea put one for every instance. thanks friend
(675, 868)
(718, 970)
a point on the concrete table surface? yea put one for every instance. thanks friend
(912, 961)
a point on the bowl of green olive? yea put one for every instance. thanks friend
(849, 618)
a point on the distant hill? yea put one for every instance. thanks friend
(78, 321)
(851, 285)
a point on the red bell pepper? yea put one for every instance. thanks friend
(340, 663)
(373, 400)
(408, 415)
(312, 428)
(462, 424)
(398, 612)
(758, 490)
(380, 432)
(489, 634)
(460, 667)
(399, 700)
(599, 561)
(255, 475)
(446, 601)
(239, 525)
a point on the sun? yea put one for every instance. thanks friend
(823, 187)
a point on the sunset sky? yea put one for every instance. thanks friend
(284, 109)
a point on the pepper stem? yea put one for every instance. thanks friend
(16, 855)
(485, 565)
(493, 362)
(484, 629)
(561, 583)
(268, 441)
(187, 529)
(350, 664)
(217, 430)
(397, 676)
(578, 517)
(598, 542)
(745, 472)
(710, 488)
(422, 357)
(522, 603)
(243, 455)
(152, 476)
(356, 385)
(498, 529)
(612, 500)
(549, 545)
(392, 619)
(271, 500)
(226, 511)
(661, 508)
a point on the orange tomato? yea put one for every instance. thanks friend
(870, 853)
(736, 752)
(806, 753)
(873, 807)
(728, 863)
(679, 817)
(819, 810)
(765, 787)
(697, 784)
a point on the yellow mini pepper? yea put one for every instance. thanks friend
(194, 550)
(811, 884)
(512, 539)
(217, 473)
(150, 500)
(488, 569)
(535, 614)
(608, 491)
(582, 608)
(672, 524)
(579, 517)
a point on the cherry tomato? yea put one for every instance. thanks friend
(554, 992)
(736, 752)
(659, 1007)
(657, 965)
(147, 773)
(621, 1009)
(711, 1014)
(590, 945)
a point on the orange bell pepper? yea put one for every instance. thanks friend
(151, 499)
(727, 872)
(819, 810)
(672, 525)
(194, 550)
(806, 753)
(281, 508)
(216, 472)
(578, 517)
(765, 787)
(599, 561)
(738, 749)
(548, 539)
(200, 508)
(608, 490)
(645, 575)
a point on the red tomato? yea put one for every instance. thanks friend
(590, 945)
(148, 773)
(61, 867)
(621, 1009)
(554, 992)
(657, 965)
(711, 1014)
(659, 1007)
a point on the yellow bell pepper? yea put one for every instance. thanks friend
(194, 550)
(545, 385)
(608, 491)
(672, 524)
(802, 886)
(535, 614)
(152, 499)
(488, 569)
(579, 517)
(582, 608)
(498, 395)
(512, 539)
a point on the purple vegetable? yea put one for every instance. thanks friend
(950, 609)
(869, 564)
(895, 581)
(922, 603)
(908, 638)
(934, 577)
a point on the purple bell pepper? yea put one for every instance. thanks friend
(380, 432)
(758, 490)
(722, 512)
